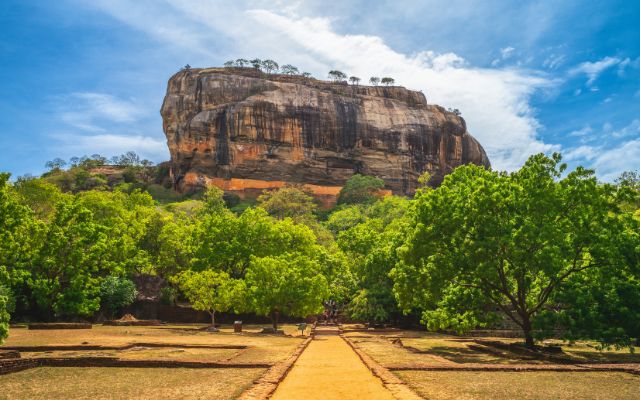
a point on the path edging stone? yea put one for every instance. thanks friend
(398, 388)
(267, 384)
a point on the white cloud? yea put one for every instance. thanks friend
(587, 130)
(554, 61)
(494, 102)
(581, 153)
(609, 164)
(73, 144)
(506, 52)
(633, 129)
(612, 157)
(593, 69)
(90, 119)
(88, 111)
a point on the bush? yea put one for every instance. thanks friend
(4, 313)
(168, 295)
(116, 293)
(360, 189)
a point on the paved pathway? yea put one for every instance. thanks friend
(329, 369)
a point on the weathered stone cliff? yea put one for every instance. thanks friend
(243, 130)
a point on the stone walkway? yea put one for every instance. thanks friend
(330, 369)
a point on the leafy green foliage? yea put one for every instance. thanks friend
(371, 246)
(290, 201)
(485, 239)
(212, 291)
(4, 319)
(116, 293)
(360, 189)
(226, 242)
(5, 309)
(64, 273)
(289, 284)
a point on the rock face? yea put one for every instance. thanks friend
(246, 131)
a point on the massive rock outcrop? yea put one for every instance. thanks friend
(246, 131)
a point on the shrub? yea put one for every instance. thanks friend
(116, 293)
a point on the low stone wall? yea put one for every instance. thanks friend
(8, 366)
(118, 362)
(82, 347)
(6, 353)
(60, 325)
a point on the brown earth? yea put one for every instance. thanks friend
(330, 369)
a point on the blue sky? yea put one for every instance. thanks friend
(85, 77)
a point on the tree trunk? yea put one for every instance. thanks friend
(274, 320)
(213, 318)
(528, 335)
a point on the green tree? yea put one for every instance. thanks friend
(39, 195)
(256, 63)
(64, 276)
(337, 76)
(374, 81)
(345, 217)
(56, 164)
(116, 293)
(213, 200)
(289, 69)
(226, 242)
(289, 201)
(485, 239)
(241, 62)
(270, 66)
(4, 318)
(371, 245)
(354, 80)
(20, 236)
(360, 189)
(212, 291)
(387, 81)
(289, 284)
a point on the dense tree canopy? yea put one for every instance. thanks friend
(485, 239)
(360, 189)
(551, 250)
(212, 291)
(289, 284)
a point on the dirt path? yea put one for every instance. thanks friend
(330, 369)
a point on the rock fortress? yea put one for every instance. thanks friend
(246, 131)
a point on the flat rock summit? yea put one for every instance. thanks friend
(246, 131)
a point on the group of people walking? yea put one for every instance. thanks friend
(330, 314)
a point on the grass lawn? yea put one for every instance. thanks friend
(437, 348)
(129, 383)
(450, 385)
(261, 348)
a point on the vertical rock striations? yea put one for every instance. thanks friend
(246, 131)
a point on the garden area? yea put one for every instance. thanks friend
(219, 366)
(405, 298)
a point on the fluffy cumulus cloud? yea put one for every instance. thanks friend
(619, 151)
(494, 101)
